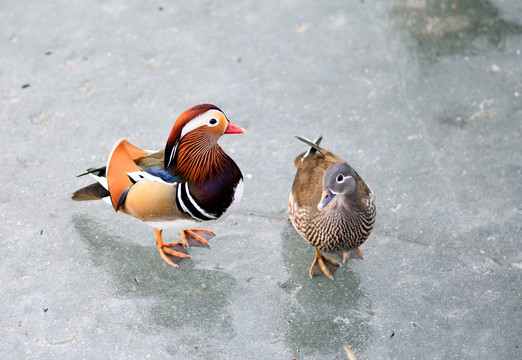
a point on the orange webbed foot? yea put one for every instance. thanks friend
(172, 253)
(323, 266)
(196, 237)
(353, 254)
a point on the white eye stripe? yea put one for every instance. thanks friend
(201, 120)
(341, 178)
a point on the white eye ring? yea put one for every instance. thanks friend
(340, 178)
(213, 122)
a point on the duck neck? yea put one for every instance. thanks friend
(199, 157)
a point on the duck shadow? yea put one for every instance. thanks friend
(178, 297)
(322, 315)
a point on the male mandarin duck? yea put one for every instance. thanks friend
(330, 206)
(190, 182)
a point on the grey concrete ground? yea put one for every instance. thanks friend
(422, 97)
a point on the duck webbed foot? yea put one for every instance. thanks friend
(196, 237)
(323, 266)
(353, 254)
(172, 253)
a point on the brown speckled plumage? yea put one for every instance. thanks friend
(348, 215)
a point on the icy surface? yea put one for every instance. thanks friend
(422, 97)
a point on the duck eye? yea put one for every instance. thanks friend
(340, 178)
(212, 121)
